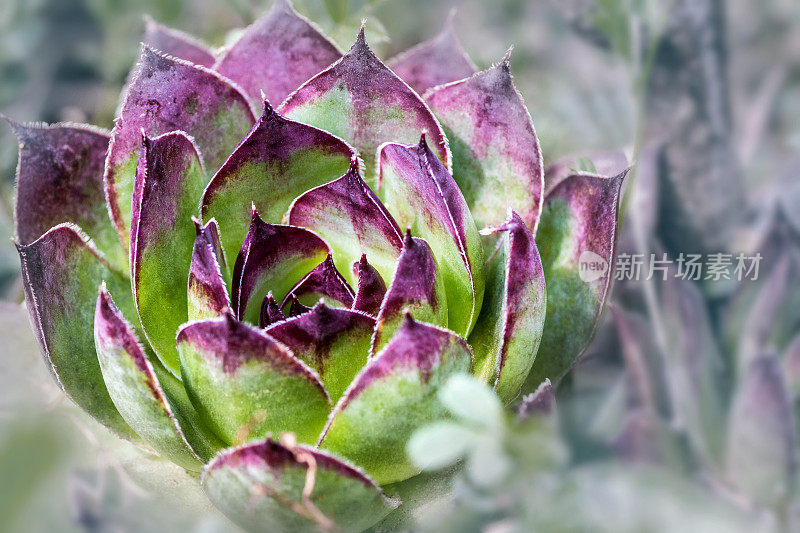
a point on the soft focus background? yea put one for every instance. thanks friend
(682, 413)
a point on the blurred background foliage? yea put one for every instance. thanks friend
(681, 415)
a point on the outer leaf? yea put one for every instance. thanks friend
(60, 179)
(542, 401)
(580, 216)
(366, 104)
(168, 94)
(261, 487)
(207, 293)
(435, 62)
(506, 338)
(323, 282)
(609, 163)
(348, 215)
(416, 288)
(423, 196)
(245, 384)
(169, 182)
(134, 387)
(497, 161)
(176, 43)
(61, 306)
(272, 259)
(334, 342)
(761, 436)
(393, 396)
(371, 288)
(275, 163)
(277, 53)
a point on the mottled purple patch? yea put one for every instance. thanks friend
(488, 116)
(277, 53)
(176, 43)
(161, 177)
(371, 287)
(270, 312)
(415, 347)
(168, 94)
(311, 335)
(206, 282)
(414, 280)
(434, 62)
(60, 179)
(326, 281)
(266, 249)
(372, 89)
(593, 203)
(112, 331)
(232, 344)
(271, 455)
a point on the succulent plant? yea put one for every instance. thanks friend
(274, 302)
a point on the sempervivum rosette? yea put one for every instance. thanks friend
(275, 301)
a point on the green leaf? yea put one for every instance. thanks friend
(261, 487)
(62, 305)
(394, 396)
(169, 183)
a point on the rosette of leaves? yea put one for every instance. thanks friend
(273, 302)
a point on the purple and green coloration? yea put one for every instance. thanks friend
(275, 302)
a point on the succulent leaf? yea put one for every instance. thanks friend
(60, 179)
(176, 43)
(245, 384)
(761, 436)
(394, 395)
(272, 259)
(496, 154)
(169, 182)
(578, 225)
(277, 53)
(277, 161)
(435, 62)
(422, 194)
(207, 291)
(61, 306)
(352, 220)
(371, 287)
(134, 387)
(360, 100)
(507, 336)
(334, 342)
(168, 94)
(416, 288)
(263, 486)
(323, 282)
(270, 312)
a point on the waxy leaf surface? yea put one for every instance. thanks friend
(497, 161)
(423, 196)
(323, 282)
(261, 486)
(276, 162)
(246, 384)
(416, 288)
(207, 292)
(371, 287)
(334, 342)
(360, 100)
(168, 94)
(277, 53)
(272, 259)
(61, 304)
(169, 183)
(577, 239)
(60, 179)
(506, 338)
(392, 397)
(353, 221)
